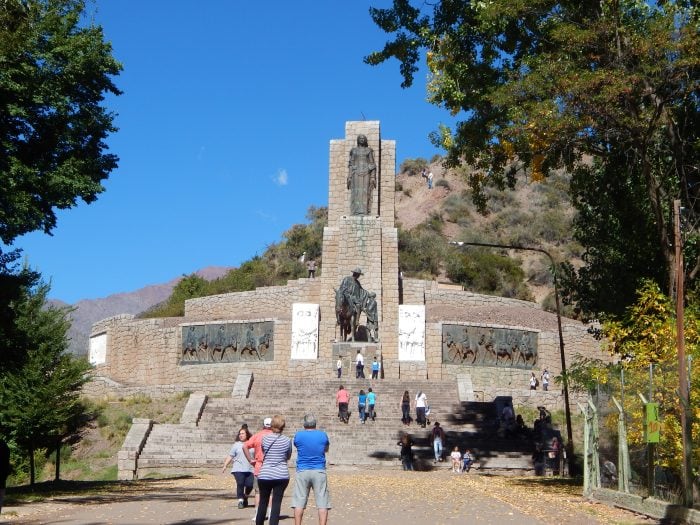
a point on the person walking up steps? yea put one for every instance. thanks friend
(362, 406)
(342, 399)
(371, 401)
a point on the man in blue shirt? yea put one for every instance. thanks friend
(312, 446)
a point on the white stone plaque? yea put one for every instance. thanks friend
(97, 353)
(305, 330)
(411, 332)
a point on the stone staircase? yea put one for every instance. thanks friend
(203, 443)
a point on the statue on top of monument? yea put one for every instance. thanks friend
(362, 177)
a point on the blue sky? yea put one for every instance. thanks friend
(224, 128)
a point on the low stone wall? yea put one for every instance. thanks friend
(655, 508)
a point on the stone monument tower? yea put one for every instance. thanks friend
(368, 241)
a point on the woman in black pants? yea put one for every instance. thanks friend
(274, 474)
(406, 408)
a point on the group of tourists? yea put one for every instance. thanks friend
(259, 464)
(534, 382)
(421, 405)
(359, 366)
(460, 462)
(366, 403)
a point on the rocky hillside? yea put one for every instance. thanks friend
(536, 214)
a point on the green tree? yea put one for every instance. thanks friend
(645, 335)
(54, 74)
(544, 84)
(41, 399)
(13, 282)
(483, 271)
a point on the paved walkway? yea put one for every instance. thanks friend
(359, 497)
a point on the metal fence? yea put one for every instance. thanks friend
(633, 440)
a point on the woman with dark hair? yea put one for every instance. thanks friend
(406, 408)
(274, 474)
(241, 469)
(361, 404)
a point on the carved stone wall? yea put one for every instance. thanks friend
(488, 346)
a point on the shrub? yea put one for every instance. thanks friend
(413, 167)
(444, 183)
(484, 271)
(407, 192)
(421, 252)
(398, 186)
(456, 208)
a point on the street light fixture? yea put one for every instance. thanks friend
(565, 380)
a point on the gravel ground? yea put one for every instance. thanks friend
(358, 496)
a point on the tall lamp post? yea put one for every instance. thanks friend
(561, 335)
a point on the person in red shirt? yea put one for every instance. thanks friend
(255, 443)
(342, 398)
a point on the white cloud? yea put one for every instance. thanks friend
(281, 178)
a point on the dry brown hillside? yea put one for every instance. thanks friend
(536, 214)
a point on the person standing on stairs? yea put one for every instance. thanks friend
(405, 406)
(421, 403)
(359, 366)
(437, 439)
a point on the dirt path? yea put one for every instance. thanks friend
(367, 497)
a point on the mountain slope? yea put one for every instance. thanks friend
(89, 311)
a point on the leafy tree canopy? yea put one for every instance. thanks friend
(54, 74)
(543, 84)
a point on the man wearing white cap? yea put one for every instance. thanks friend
(255, 443)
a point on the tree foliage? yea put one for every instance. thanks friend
(484, 271)
(54, 75)
(41, 398)
(543, 84)
(643, 337)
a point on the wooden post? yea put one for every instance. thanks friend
(682, 372)
(623, 454)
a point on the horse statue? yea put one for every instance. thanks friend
(347, 315)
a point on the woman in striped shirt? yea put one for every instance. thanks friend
(274, 474)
